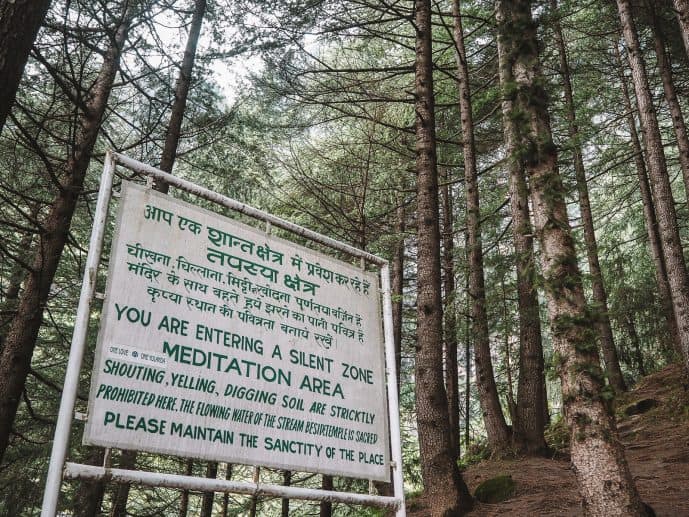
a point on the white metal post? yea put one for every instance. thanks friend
(76, 352)
(393, 397)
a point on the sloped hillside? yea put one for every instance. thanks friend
(653, 424)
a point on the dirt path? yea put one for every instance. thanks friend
(657, 446)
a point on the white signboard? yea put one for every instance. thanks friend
(221, 342)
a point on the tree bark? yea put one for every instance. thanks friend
(326, 507)
(208, 497)
(442, 480)
(16, 356)
(493, 418)
(467, 365)
(226, 497)
(530, 423)
(286, 481)
(119, 503)
(184, 496)
(682, 12)
(600, 296)
(507, 334)
(665, 71)
(605, 482)
(253, 506)
(8, 308)
(174, 127)
(678, 279)
(19, 24)
(627, 321)
(90, 495)
(650, 218)
(450, 313)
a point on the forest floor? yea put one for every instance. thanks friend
(657, 448)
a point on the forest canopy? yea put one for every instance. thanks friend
(522, 165)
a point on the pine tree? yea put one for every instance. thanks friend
(442, 480)
(604, 480)
(19, 24)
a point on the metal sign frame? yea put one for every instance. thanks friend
(58, 469)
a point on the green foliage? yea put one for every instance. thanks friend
(322, 135)
(557, 436)
(412, 500)
(476, 453)
(556, 363)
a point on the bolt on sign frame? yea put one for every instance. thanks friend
(59, 469)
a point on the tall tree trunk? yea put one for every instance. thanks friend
(442, 480)
(600, 296)
(649, 214)
(15, 361)
(507, 334)
(184, 496)
(602, 473)
(90, 495)
(119, 503)
(546, 411)
(493, 418)
(326, 507)
(253, 506)
(208, 497)
(174, 127)
(682, 11)
(665, 71)
(226, 497)
(468, 346)
(450, 313)
(678, 278)
(627, 321)
(19, 24)
(286, 481)
(530, 422)
(8, 308)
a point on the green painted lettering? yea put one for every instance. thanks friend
(174, 326)
(322, 386)
(276, 352)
